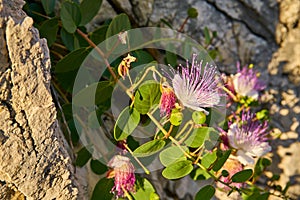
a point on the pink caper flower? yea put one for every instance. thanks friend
(249, 137)
(246, 82)
(197, 87)
(123, 173)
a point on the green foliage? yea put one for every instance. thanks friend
(49, 30)
(127, 121)
(199, 136)
(149, 148)
(200, 174)
(222, 157)
(172, 155)
(70, 16)
(83, 157)
(119, 24)
(147, 96)
(208, 159)
(73, 41)
(98, 35)
(98, 167)
(101, 90)
(178, 169)
(88, 10)
(192, 12)
(260, 166)
(206, 35)
(242, 176)
(72, 61)
(205, 193)
(48, 6)
(144, 190)
(102, 189)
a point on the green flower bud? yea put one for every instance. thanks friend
(199, 117)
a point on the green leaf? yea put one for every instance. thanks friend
(166, 23)
(73, 41)
(70, 16)
(102, 189)
(83, 157)
(221, 160)
(49, 30)
(144, 191)
(192, 13)
(89, 9)
(198, 136)
(119, 24)
(200, 174)
(98, 167)
(178, 169)
(98, 35)
(171, 155)
(33, 10)
(171, 58)
(142, 57)
(206, 35)
(149, 148)
(242, 176)
(205, 193)
(72, 61)
(209, 159)
(48, 6)
(127, 121)
(225, 173)
(147, 96)
(102, 91)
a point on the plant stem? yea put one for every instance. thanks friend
(158, 125)
(137, 160)
(183, 24)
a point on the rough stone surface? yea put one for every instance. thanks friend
(34, 163)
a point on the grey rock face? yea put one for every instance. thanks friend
(34, 162)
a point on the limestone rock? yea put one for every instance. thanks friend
(34, 161)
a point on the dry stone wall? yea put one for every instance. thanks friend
(34, 162)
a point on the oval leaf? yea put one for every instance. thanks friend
(198, 136)
(209, 159)
(242, 176)
(70, 16)
(172, 155)
(149, 148)
(102, 189)
(72, 61)
(49, 30)
(73, 41)
(119, 24)
(98, 167)
(48, 6)
(178, 169)
(89, 9)
(144, 189)
(98, 35)
(221, 160)
(102, 91)
(205, 193)
(147, 96)
(83, 157)
(126, 123)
